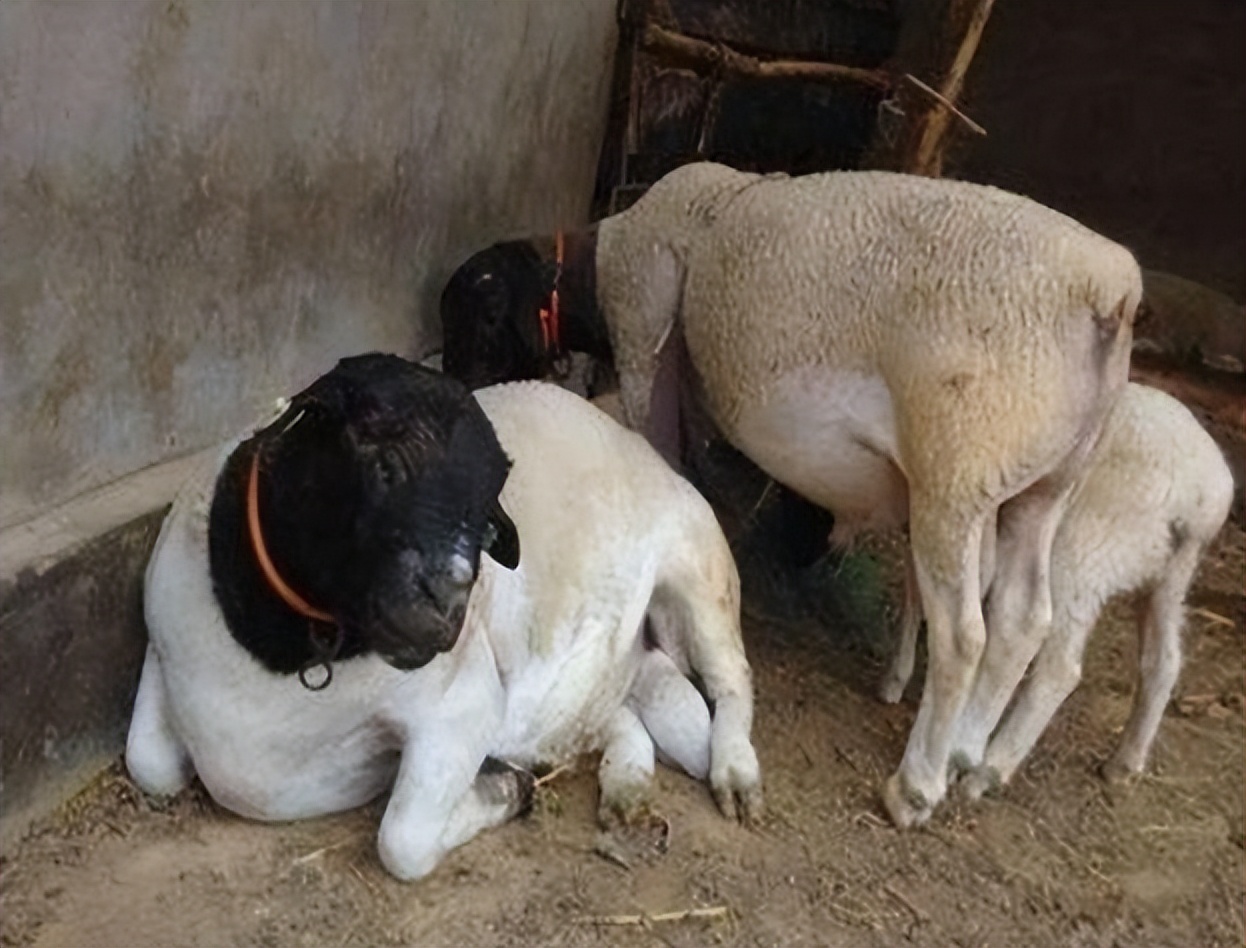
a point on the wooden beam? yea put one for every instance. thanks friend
(706, 59)
(937, 43)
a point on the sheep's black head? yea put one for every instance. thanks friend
(377, 494)
(490, 315)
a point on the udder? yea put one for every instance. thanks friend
(831, 438)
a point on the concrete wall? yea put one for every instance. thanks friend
(205, 204)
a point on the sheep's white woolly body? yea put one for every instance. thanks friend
(1155, 495)
(883, 308)
(889, 346)
(581, 571)
(550, 661)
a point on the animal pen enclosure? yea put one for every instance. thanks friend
(205, 204)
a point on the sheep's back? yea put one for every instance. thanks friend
(881, 272)
(592, 501)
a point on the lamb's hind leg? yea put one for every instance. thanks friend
(1159, 664)
(948, 566)
(1057, 671)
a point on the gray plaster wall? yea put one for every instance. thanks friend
(205, 204)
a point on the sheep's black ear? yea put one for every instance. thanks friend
(503, 547)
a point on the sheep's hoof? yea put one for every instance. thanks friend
(1115, 771)
(735, 780)
(509, 786)
(742, 803)
(907, 807)
(979, 781)
(891, 690)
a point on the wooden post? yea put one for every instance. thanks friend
(938, 40)
(618, 142)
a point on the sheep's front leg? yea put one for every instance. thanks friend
(446, 790)
(901, 669)
(709, 634)
(664, 425)
(948, 572)
(154, 755)
(441, 800)
(674, 713)
(640, 295)
(902, 663)
(626, 771)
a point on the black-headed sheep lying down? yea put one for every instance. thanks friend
(892, 348)
(472, 575)
(1155, 495)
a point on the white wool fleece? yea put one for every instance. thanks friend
(552, 660)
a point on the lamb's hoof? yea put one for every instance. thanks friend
(906, 806)
(1117, 772)
(978, 782)
(513, 787)
(891, 690)
(736, 785)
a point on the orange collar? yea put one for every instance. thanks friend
(275, 582)
(550, 328)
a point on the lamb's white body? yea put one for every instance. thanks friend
(893, 348)
(1155, 495)
(550, 663)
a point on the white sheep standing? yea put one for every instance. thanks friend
(1156, 493)
(553, 658)
(892, 348)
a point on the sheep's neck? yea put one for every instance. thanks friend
(255, 533)
(582, 328)
(257, 617)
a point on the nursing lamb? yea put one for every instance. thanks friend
(360, 544)
(892, 348)
(1156, 493)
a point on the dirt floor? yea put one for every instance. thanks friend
(1060, 858)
